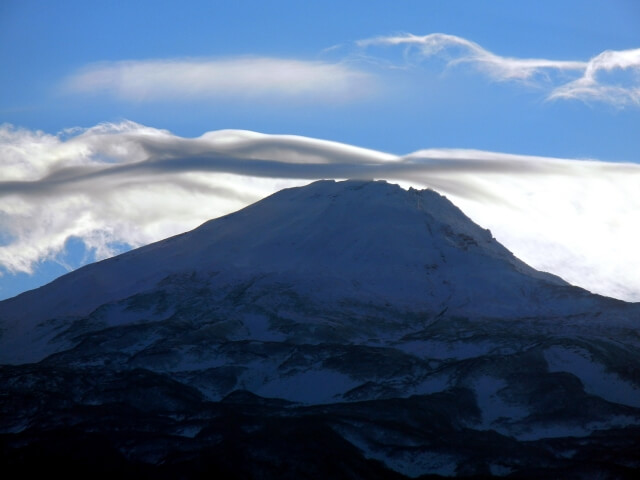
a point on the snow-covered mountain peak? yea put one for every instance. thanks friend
(360, 242)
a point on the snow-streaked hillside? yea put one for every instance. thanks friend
(342, 298)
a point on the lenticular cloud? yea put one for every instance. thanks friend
(127, 183)
(241, 77)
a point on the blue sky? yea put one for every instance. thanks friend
(522, 78)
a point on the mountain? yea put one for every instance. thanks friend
(343, 329)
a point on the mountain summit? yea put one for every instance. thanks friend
(361, 242)
(403, 335)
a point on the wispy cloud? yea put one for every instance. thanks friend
(584, 80)
(611, 77)
(238, 77)
(591, 86)
(126, 183)
(458, 50)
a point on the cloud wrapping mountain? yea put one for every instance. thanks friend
(125, 183)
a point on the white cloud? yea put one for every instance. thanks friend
(239, 77)
(127, 183)
(458, 50)
(277, 79)
(567, 79)
(591, 87)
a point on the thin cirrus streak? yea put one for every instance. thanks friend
(579, 79)
(127, 183)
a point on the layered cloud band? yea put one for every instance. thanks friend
(129, 184)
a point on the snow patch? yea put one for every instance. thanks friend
(432, 384)
(189, 431)
(414, 464)
(310, 387)
(594, 376)
(556, 430)
(493, 408)
(499, 470)
(444, 350)
(188, 358)
(259, 328)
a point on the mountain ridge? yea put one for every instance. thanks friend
(373, 239)
(206, 227)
